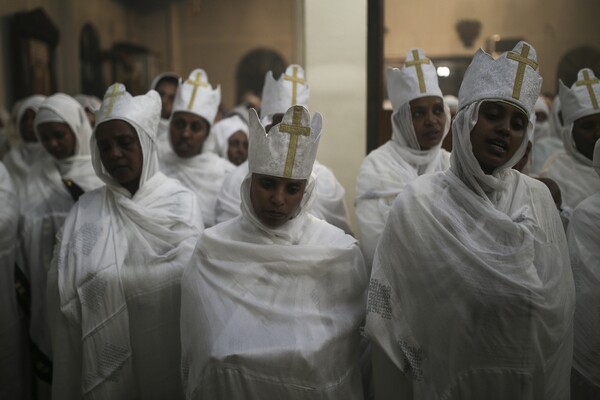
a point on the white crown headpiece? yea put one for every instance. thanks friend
(513, 77)
(582, 98)
(196, 96)
(279, 95)
(289, 149)
(416, 79)
(142, 111)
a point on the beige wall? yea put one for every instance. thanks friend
(336, 67)
(551, 26)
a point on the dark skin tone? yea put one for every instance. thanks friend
(121, 153)
(586, 131)
(26, 126)
(429, 120)
(523, 161)
(237, 148)
(166, 89)
(58, 139)
(275, 200)
(500, 130)
(187, 133)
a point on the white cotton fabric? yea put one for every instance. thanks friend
(21, 158)
(203, 174)
(329, 203)
(572, 171)
(218, 140)
(385, 172)
(273, 313)
(13, 382)
(89, 103)
(45, 205)
(583, 235)
(471, 293)
(545, 143)
(163, 144)
(114, 286)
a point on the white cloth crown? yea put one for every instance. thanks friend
(416, 79)
(289, 149)
(142, 111)
(164, 75)
(582, 99)
(279, 95)
(513, 77)
(196, 96)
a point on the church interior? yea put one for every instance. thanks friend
(345, 47)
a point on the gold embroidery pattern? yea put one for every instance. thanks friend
(417, 62)
(523, 61)
(113, 98)
(295, 130)
(590, 87)
(295, 81)
(197, 82)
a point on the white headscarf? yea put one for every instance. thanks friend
(65, 109)
(218, 140)
(291, 230)
(462, 160)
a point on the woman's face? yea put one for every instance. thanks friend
(188, 133)
(26, 126)
(237, 147)
(121, 153)
(429, 120)
(586, 131)
(58, 139)
(500, 130)
(275, 200)
(166, 90)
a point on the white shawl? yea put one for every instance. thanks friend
(113, 290)
(584, 247)
(273, 313)
(45, 205)
(12, 358)
(572, 171)
(386, 170)
(471, 291)
(203, 174)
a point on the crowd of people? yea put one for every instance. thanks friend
(155, 248)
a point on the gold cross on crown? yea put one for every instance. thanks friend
(523, 61)
(295, 81)
(112, 96)
(197, 82)
(589, 83)
(417, 63)
(295, 130)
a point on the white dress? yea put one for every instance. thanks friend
(273, 313)
(114, 292)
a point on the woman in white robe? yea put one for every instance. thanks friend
(22, 157)
(584, 248)
(229, 140)
(114, 286)
(572, 169)
(13, 377)
(471, 294)
(194, 111)
(53, 186)
(166, 85)
(414, 149)
(273, 299)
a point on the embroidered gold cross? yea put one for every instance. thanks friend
(113, 98)
(295, 81)
(589, 83)
(196, 82)
(417, 64)
(523, 61)
(295, 130)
